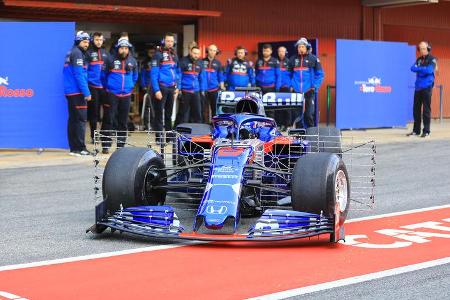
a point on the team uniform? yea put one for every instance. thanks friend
(164, 78)
(120, 77)
(76, 89)
(146, 85)
(239, 73)
(96, 58)
(306, 77)
(285, 116)
(268, 78)
(214, 77)
(424, 68)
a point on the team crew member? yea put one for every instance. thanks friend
(77, 93)
(424, 68)
(164, 78)
(146, 83)
(214, 80)
(239, 71)
(307, 76)
(96, 55)
(267, 70)
(146, 68)
(191, 83)
(284, 116)
(121, 74)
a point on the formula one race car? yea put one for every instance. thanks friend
(237, 169)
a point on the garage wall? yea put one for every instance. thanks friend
(424, 22)
(246, 23)
(185, 4)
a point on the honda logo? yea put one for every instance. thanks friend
(216, 210)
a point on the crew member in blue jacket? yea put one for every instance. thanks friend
(121, 74)
(96, 55)
(284, 116)
(214, 80)
(239, 71)
(424, 68)
(267, 71)
(77, 93)
(191, 83)
(146, 68)
(146, 84)
(164, 78)
(307, 76)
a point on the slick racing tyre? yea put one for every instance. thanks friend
(130, 177)
(324, 139)
(320, 183)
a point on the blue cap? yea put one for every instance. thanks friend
(302, 41)
(123, 43)
(82, 36)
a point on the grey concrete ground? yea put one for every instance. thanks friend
(44, 212)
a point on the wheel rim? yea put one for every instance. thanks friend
(341, 190)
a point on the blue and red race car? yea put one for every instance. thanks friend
(241, 166)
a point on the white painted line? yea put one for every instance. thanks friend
(86, 257)
(353, 280)
(11, 296)
(163, 247)
(399, 213)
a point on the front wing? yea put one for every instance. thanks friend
(162, 222)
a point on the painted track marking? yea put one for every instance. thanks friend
(234, 271)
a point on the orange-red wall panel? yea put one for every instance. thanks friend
(250, 22)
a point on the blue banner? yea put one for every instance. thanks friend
(372, 84)
(33, 109)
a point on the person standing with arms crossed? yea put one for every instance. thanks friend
(424, 68)
(121, 74)
(97, 56)
(285, 87)
(239, 71)
(214, 80)
(164, 78)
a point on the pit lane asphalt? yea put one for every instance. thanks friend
(45, 211)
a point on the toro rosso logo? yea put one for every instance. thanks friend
(6, 92)
(373, 85)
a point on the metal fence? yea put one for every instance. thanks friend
(358, 156)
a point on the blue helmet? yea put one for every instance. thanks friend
(250, 104)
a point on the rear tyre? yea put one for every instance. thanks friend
(324, 139)
(130, 177)
(320, 184)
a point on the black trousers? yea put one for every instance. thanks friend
(269, 113)
(76, 125)
(190, 109)
(306, 118)
(164, 107)
(115, 117)
(93, 112)
(422, 98)
(149, 113)
(211, 98)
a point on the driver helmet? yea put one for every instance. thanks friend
(249, 104)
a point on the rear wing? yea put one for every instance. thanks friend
(226, 100)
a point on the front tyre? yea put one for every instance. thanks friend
(130, 177)
(320, 184)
